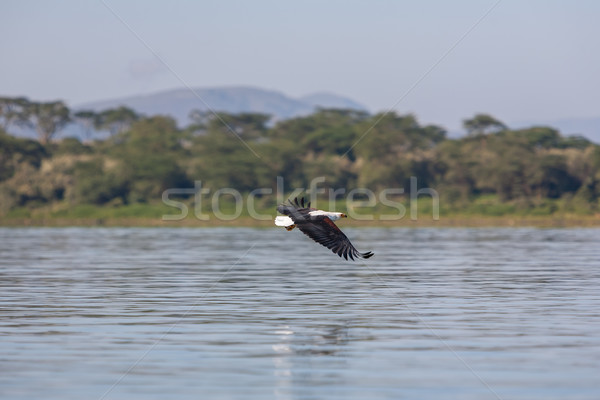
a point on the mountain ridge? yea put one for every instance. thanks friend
(179, 102)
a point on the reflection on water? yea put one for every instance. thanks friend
(256, 314)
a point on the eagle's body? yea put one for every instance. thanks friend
(319, 226)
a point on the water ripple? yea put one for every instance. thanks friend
(188, 318)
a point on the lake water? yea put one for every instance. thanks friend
(115, 313)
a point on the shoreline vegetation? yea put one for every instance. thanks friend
(159, 215)
(232, 169)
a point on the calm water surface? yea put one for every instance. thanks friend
(266, 314)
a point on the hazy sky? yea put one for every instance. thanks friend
(525, 61)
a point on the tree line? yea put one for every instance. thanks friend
(144, 155)
(49, 118)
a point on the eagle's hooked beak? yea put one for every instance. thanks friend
(343, 216)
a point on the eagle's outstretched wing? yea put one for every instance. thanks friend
(321, 229)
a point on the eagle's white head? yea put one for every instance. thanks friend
(337, 215)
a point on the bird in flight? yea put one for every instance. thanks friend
(318, 225)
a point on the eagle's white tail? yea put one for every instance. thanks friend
(283, 221)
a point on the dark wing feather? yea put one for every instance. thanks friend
(323, 231)
(320, 229)
(295, 210)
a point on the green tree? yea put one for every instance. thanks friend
(13, 111)
(48, 118)
(223, 160)
(88, 120)
(116, 120)
(393, 148)
(537, 137)
(249, 126)
(482, 124)
(552, 177)
(152, 156)
(15, 151)
(95, 184)
(455, 169)
(329, 131)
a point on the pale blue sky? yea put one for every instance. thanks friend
(526, 61)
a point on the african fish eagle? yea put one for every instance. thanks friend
(318, 225)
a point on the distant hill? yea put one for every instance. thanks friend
(179, 102)
(330, 100)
